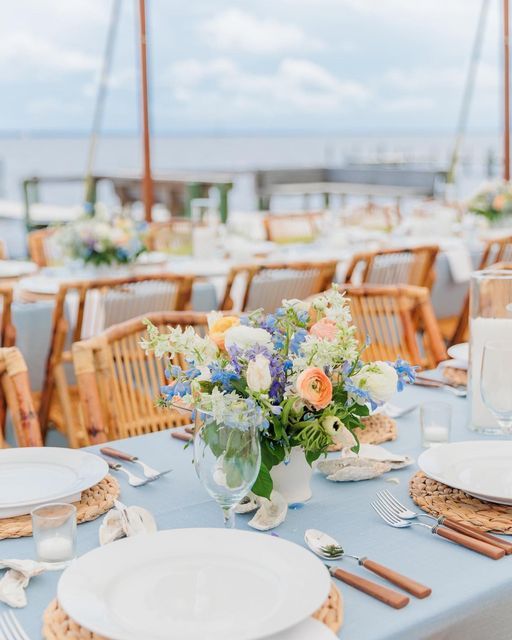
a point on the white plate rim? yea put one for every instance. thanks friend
(100, 471)
(455, 351)
(457, 485)
(24, 267)
(75, 612)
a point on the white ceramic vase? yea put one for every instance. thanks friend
(292, 479)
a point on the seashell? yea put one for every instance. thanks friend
(271, 513)
(381, 454)
(16, 579)
(112, 527)
(350, 468)
(139, 520)
(247, 504)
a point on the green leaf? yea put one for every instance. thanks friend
(263, 485)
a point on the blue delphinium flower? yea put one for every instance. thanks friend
(406, 373)
(298, 338)
(222, 376)
(362, 394)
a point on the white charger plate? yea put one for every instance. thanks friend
(193, 584)
(459, 352)
(31, 476)
(16, 268)
(482, 468)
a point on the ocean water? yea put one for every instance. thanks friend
(28, 155)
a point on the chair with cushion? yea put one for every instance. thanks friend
(119, 383)
(292, 227)
(264, 286)
(84, 309)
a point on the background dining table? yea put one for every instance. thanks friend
(471, 594)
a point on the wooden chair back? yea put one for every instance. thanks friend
(414, 266)
(41, 249)
(266, 285)
(85, 308)
(4, 254)
(399, 322)
(119, 383)
(292, 227)
(173, 237)
(15, 384)
(496, 251)
(7, 336)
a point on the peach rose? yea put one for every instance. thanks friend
(314, 387)
(325, 329)
(219, 328)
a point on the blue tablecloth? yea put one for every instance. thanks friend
(471, 593)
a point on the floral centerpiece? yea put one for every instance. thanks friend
(493, 201)
(301, 366)
(98, 240)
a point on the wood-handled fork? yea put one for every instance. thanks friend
(149, 472)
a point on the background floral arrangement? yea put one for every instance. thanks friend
(99, 241)
(494, 200)
(300, 367)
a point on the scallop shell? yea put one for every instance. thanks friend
(381, 454)
(351, 468)
(247, 504)
(112, 527)
(271, 513)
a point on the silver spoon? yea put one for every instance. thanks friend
(326, 547)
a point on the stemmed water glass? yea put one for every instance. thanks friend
(227, 456)
(496, 381)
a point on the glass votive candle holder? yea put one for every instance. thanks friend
(54, 532)
(436, 423)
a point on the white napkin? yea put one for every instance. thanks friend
(459, 261)
(16, 579)
(125, 522)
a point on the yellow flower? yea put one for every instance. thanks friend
(220, 326)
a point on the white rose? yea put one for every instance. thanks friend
(258, 374)
(338, 432)
(246, 337)
(295, 303)
(379, 379)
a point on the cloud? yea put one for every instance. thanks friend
(28, 52)
(296, 84)
(235, 30)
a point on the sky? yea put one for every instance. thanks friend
(222, 66)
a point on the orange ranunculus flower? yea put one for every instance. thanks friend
(499, 202)
(325, 329)
(219, 328)
(314, 387)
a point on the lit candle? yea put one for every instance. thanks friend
(435, 433)
(55, 549)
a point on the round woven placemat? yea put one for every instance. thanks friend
(94, 502)
(455, 376)
(57, 625)
(440, 500)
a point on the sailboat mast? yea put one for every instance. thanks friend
(147, 181)
(506, 89)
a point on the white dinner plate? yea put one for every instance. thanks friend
(16, 268)
(31, 476)
(42, 284)
(194, 584)
(459, 351)
(481, 468)
(310, 629)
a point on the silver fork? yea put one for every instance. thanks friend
(393, 520)
(11, 628)
(404, 513)
(148, 471)
(133, 480)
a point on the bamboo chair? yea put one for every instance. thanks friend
(292, 227)
(4, 254)
(15, 384)
(496, 251)
(40, 247)
(266, 285)
(414, 266)
(119, 383)
(173, 237)
(7, 336)
(94, 306)
(373, 216)
(399, 321)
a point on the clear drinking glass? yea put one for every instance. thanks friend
(496, 381)
(54, 532)
(227, 457)
(436, 422)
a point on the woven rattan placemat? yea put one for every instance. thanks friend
(94, 502)
(57, 625)
(378, 429)
(440, 500)
(455, 376)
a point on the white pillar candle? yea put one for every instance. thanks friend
(55, 549)
(484, 330)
